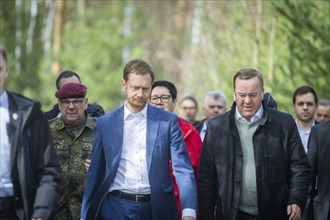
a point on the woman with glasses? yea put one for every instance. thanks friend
(164, 96)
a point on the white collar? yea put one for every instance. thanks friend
(255, 117)
(127, 112)
(301, 130)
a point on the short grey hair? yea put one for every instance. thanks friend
(215, 95)
(324, 102)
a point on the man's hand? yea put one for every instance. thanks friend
(294, 212)
(87, 163)
(36, 219)
(188, 218)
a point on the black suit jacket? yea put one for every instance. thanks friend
(35, 169)
(199, 125)
(319, 158)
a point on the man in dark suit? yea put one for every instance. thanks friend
(215, 103)
(318, 155)
(188, 108)
(29, 169)
(129, 176)
(253, 164)
(304, 101)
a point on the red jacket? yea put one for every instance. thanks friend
(194, 147)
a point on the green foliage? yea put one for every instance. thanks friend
(306, 61)
(95, 52)
(288, 41)
(22, 34)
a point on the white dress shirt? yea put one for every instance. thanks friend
(6, 185)
(255, 117)
(203, 130)
(304, 135)
(132, 174)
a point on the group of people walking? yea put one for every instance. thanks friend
(140, 161)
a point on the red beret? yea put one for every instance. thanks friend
(71, 90)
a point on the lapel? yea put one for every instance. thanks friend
(117, 128)
(152, 132)
(13, 127)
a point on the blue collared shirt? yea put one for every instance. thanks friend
(6, 185)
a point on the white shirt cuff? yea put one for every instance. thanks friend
(189, 212)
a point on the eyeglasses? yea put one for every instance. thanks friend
(244, 95)
(75, 102)
(163, 99)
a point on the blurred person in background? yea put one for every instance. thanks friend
(322, 113)
(215, 103)
(188, 108)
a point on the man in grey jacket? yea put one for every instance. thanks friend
(253, 165)
(29, 169)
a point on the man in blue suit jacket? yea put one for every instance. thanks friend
(129, 176)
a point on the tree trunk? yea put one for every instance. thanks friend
(257, 36)
(127, 30)
(18, 35)
(58, 34)
(271, 53)
(48, 29)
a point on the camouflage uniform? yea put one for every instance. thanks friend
(72, 148)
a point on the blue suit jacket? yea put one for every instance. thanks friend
(164, 140)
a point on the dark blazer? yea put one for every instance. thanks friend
(35, 169)
(164, 140)
(199, 125)
(281, 164)
(319, 158)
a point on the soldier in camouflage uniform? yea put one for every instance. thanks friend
(73, 135)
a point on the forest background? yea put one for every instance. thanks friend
(198, 45)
